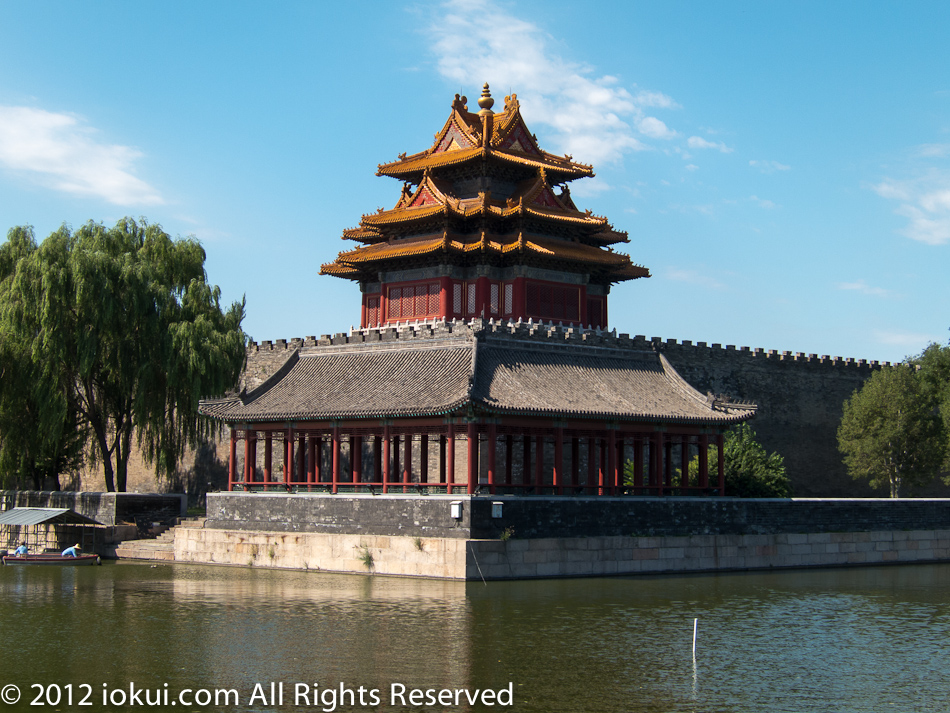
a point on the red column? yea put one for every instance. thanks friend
(482, 308)
(407, 463)
(472, 448)
(518, 294)
(591, 464)
(253, 464)
(356, 457)
(684, 461)
(424, 458)
(638, 462)
(539, 464)
(288, 455)
(621, 463)
(301, 460)
(312, 461)
(248, 470)
(602, 466)
(668, 462)
(575, 461)
(492, 447)
(396, 468)
(445, 297)
(720, 445)
(656, 461)
(450, 459)
(526, 463)
(232, 461)
(442, 458)
(336, 459)
(386, 446)
(508, 458)
(268, 455)
(612, 460)
(704, 461)
(557, 473)
(318, 459)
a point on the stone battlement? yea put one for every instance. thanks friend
(549, 331)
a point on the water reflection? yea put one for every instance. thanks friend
(842, 640)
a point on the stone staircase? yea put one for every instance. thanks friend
(162, 548)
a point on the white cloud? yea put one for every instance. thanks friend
(864, 288)
(925, 202)
(698, 142)
(691, 167)
(56, 150)
(762, 202)
(934, 150)
(655, 99)
(769, 166)
(593, 118)
(654, 128)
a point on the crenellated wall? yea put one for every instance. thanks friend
(800, 396)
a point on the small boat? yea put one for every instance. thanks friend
(52, 559)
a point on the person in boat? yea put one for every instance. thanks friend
(22, 550)
(71, 551)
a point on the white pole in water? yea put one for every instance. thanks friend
(695, 625)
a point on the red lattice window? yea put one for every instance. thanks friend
(372, 311)
(595, 312)
(413, 301)
(559, 303)
(494, 298)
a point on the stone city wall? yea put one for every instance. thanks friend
(800, 398)
(536, 517)
(474, 560)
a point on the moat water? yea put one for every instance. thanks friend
(875, 639)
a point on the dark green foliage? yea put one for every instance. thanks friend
(122, 329)
(891, 432)
(750, 471)
(934, 363)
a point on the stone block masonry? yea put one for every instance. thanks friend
(560, 536)
(461, 559)
(800, 396)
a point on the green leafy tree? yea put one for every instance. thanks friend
(891, 432)
(934, 364)
(123, 327)
(40, 432)
(750, 471)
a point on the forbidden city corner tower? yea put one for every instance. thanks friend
(484, 227)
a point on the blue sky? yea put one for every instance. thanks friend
(783, 169)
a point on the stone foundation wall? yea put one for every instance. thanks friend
(104, 508)
(535, 517)
(473, 560)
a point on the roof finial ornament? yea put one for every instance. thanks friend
(485, 101)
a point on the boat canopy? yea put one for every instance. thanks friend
(39, 516)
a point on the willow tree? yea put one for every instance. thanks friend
(122, 323)
(41, 435)
(891, 432)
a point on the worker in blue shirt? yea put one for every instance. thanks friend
(71, 551)
(22, 550)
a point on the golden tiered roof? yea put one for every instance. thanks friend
(485, 191)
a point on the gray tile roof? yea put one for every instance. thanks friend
(503, 368)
